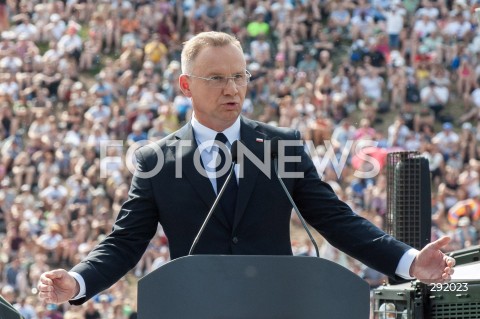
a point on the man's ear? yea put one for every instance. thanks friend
(184, 85)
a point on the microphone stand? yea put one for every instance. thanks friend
(297, 211)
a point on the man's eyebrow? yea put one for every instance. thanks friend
(213, 73)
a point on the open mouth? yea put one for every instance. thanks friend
(231, 105)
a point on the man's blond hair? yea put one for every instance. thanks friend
(193, 46)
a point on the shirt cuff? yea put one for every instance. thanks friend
(403, 268)
(81, 283)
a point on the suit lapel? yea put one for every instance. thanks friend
(200, 183)
(249, 137)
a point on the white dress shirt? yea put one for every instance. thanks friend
(205, 138)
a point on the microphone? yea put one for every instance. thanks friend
(233, 152)
(274, 153)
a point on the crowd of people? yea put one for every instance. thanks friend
(402, 74)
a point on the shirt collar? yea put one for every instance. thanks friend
(206, 136)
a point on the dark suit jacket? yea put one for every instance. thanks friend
(262, 215)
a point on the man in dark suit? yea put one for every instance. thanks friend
(175, 186)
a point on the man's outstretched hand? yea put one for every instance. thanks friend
(431, 264)
(57, 286)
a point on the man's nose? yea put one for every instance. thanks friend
(230, 86)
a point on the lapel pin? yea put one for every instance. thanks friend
(259, 140)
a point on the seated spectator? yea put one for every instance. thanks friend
(137, 134)
(447, 140)
(97, 136)
(99, 113)
(260, 50)
(40, 126)
(281, 12)
(435, 97)
(408, 114)
(468, 144)
(371, 85)
(369, 107)
(361, 26)
(182, 106)
(132, 54)
(26, 48)
(258, 25)
(289, 48)
(55, 29)
(398, 133)
(319, 130)
(342, 134)
(91, 50)
(49, 243)
(424, 118)
(413, 141)
(465, 78)
(424, 26)
(71, 43)
(365, 131)
(456, 27)
(474, 101)
(26, 196)
(469, 179)
(168, 116)
(323, 40)
(47, 167)
(129, 27)
(53, 193)
(440, 75)
(308, 64)
(156, 51)
(339, 19)
(10, 62)
(27, 28)
(397, 85)
(102, 89)
(151, 77)
(156, 132)
(23, 170)
(212, 14)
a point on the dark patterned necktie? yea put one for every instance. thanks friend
(229, 198)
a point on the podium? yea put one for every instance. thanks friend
(253, 287)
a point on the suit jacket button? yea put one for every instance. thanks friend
(235, 240)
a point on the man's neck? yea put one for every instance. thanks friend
(204, 133)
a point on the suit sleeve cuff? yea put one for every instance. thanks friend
(403, 268)
(81, 283)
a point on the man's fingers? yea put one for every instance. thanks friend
(46, 280)
(449, 261)
(449, 271)
(47, 296)
(44, 295)
(439, 243)
(48, 277)
(55, 274)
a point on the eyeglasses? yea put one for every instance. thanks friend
(220, 81)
